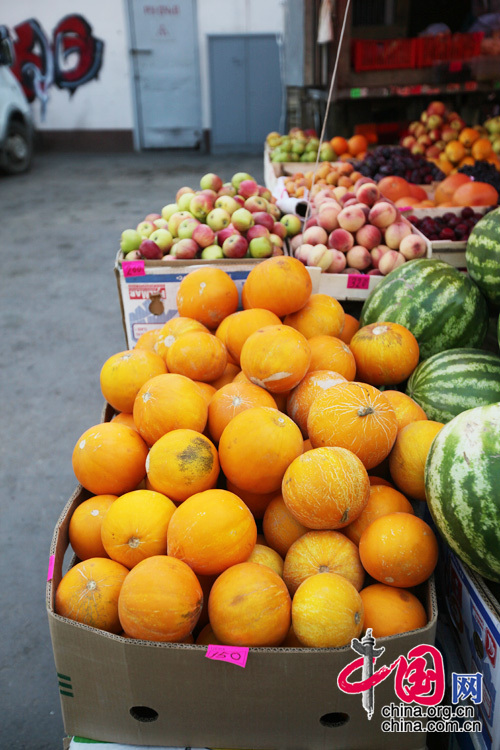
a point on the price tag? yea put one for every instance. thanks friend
(50, 572)
(358, 281)
(133, 268)
(232, 654)
(355, 93)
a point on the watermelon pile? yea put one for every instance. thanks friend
(462, 485)
(442, 307)
(455, 380)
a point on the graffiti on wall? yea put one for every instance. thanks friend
(70, 59)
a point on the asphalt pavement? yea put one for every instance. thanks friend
(60, 320)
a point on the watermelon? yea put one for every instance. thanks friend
(462, 485)
(482, 255)
(455, 380)
(441, 306)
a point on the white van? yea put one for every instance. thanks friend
(16, 121)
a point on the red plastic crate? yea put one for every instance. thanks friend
(383, 54)
(447, 47)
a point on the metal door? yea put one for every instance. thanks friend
(164, 50)
(246, 90)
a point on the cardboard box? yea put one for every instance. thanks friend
(164, 694)
(147, 289)
(475, 616)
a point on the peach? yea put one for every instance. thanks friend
(395, 233)
(377, 253)
(338, 262)
(413, 246)
(315, 236)
(351, 218)
(347, 197)
(382, 214)
(339, 192)
(374, 272)
(327, 217)
(363, 181)
(389, 261)
(295, 241)
(368, 236)
(408, 141)
(322, 196)
(359, 257)
(312, 221)
(318, 255)
(340, 239)
(351, 202)
(368, 193)
(301, 252)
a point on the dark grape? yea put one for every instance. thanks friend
(483, 171)
(398, 161)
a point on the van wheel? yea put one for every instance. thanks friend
(18, 149)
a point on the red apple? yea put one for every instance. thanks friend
(150, 250)
(185, 249)
(262, 217)
(279, 229)
(248, 188)
(235, 246)
(203, 235)
(223, 234)
(258, 230)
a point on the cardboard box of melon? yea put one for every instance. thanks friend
(153, 685)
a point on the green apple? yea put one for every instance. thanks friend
(228, 203)
(292, 224)
(212, 252)
(239, 177)
(176, 219)
(184, 201)
(260, 247)
(242, 219)
(168, 210)
(130, 240)
(186, 228)
(217, 219)
(163, 239)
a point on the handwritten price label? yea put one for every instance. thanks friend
(358, 281)
(133, 268)
(233, 654)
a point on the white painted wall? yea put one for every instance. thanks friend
(103, 103)
(233, 17)
(108, 102)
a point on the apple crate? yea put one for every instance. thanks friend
(274, 170)
(147, 289)
(446, 250)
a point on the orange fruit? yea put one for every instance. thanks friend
(322, 552)
(173, 328)
(148, 339)
(382, 500)
(406, 409)
(482, 149)
(339, 145)
(357, 145)
(208, 295)
(327, 611)
(322, 315)
(399, 549)
(161, 601)
(123, 374)
(281, 529)
(197, 355)
(408, 456)
(264, 555)
(89, 591)
(85, 526)
(331, 353)
(351, 325)
(238, 594)
(135, 526)
(232, 399)
(211, 531)
(468, 136)
(390, 610)
(275, 357)
(182, 463)
(316, 490)
(300, 399)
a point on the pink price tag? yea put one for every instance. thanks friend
(133, 268)
(358, 281)
(50, 572)
(232, 654)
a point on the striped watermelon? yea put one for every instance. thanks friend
(441, 306)
(455, 380)
(462, 485)
(482, 255)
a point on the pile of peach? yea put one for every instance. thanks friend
(357, 232)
